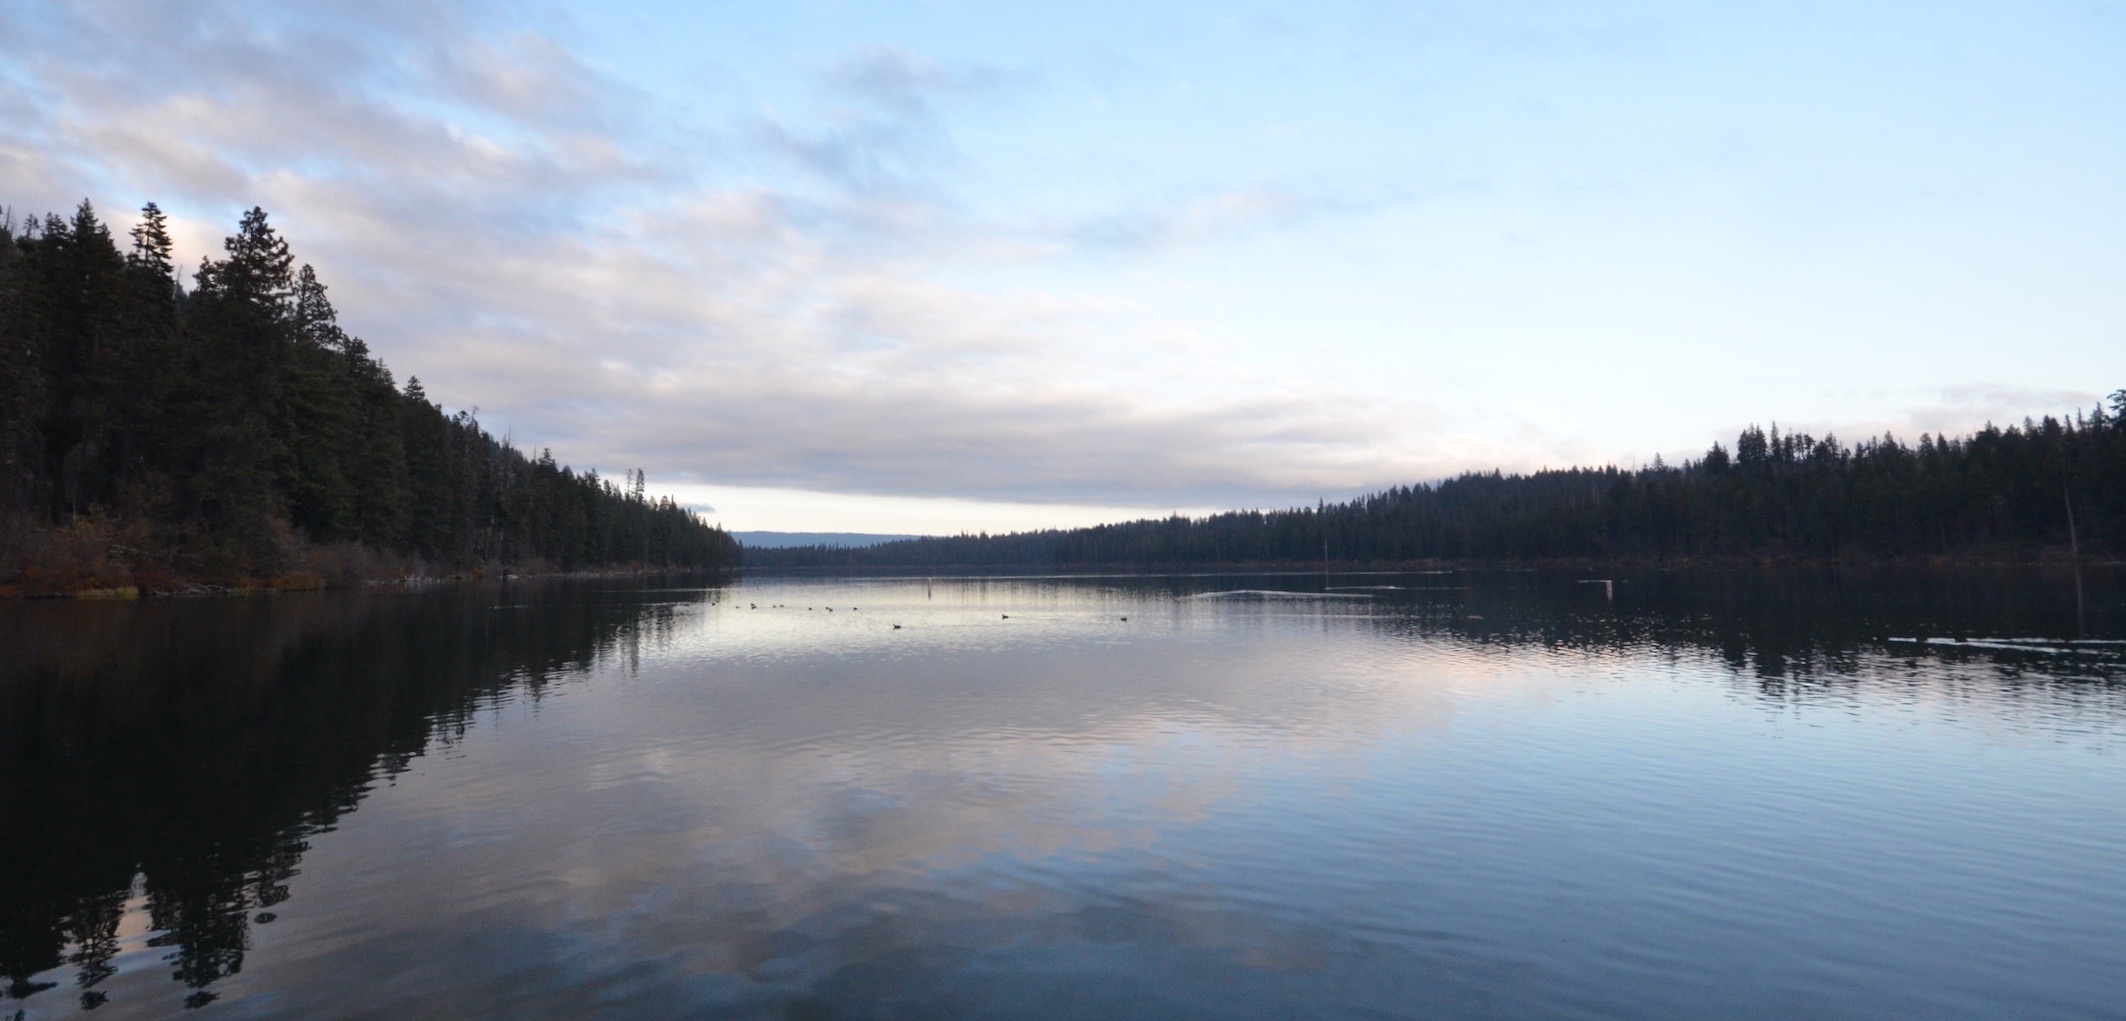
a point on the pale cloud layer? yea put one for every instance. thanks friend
(825, 289)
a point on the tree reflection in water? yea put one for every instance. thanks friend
(182, 753)
(173, 759)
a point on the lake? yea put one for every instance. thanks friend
(1769, 793)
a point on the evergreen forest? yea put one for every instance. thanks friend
(231, 433)
(2044, 488)
(155, 436)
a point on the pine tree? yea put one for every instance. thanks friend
(152, 247)
(86, 354)
(323, 417)
(239, 337)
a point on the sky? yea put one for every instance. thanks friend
(946, 266)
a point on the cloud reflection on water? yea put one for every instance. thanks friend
(590, 799)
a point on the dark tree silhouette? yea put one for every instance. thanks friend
(1999, 494)
(233, 431)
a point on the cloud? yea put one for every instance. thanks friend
(1193, 222)
(893, 79)
(883, 127)
(525, 77)
(494, 214)
(1948, 411)
(1209, 214)
(1959, 409)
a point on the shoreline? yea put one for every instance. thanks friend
(94, 588)
(1422, 566)
(307, 582)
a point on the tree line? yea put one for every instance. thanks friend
(2045, 486)
(233, 430)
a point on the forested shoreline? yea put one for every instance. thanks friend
(2045, 488)
(155, 437)
(159, 438)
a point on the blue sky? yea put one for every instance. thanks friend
(929, 267)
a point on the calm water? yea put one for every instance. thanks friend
(1448, 795)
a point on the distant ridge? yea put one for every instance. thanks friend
(2051, 488)
(785, 540)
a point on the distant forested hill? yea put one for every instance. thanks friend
(233, 433)
(2000, 494)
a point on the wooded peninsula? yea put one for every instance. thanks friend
(2045, 488)
(232, 435)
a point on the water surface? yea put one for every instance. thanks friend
(1775, 794)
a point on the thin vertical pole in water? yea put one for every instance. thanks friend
(2074, 542)
(1321, 517)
